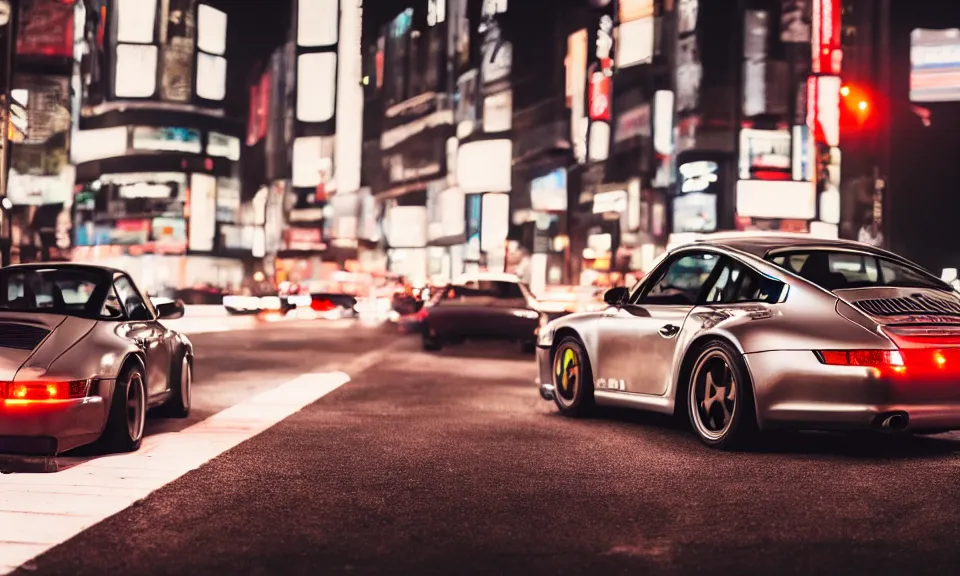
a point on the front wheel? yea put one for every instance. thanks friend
(128, 412)
(178, 406)
(719, 397)
(572, 378)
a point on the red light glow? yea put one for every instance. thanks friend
(322, 305)
(868, 358)
(43, 391)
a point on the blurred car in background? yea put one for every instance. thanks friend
(485, 306)
(291, 297)
(559, 300)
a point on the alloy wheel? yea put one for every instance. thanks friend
(567, 371)
(713, 395)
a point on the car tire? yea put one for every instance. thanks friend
(720, 403)
(431, 343)
(178, 406)
(128, 412)
(572, 378)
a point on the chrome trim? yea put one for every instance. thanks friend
(661, 404)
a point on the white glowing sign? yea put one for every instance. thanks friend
(698, 176)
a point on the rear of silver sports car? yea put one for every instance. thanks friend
(42, 413)
(910, 381)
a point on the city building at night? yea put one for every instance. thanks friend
(40, 179)
(157, 161)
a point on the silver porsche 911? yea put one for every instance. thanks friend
(740, 333)
(83, 356)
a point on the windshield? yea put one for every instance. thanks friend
(839, 270)
(68, 291)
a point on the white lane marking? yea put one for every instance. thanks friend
(40, 511)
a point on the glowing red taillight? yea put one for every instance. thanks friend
(44, 390)
(422, 314)
(322, 305)
(928, 351)
(868, 358)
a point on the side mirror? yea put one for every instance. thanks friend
(170, 310)
(615, 296)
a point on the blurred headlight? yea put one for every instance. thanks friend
(532, 314)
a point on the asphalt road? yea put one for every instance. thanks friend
(451, 464)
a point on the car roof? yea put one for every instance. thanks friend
(487, 277)
(760, 244)
(65, 266)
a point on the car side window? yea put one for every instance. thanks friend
(131, 300)
(735, 283)
(112, 308)
(681, 281)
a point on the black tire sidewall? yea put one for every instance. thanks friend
(116, 436)
(430, 343)
(177, 406)
(743, 426)
(583, 400)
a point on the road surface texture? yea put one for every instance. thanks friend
(450, 463)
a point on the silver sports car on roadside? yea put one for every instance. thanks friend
(743, 332)
(83, 356)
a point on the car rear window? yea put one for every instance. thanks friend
(494, 289)
(844, 269)
(69, 291)
(483, 289)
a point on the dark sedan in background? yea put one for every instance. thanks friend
(495, 306)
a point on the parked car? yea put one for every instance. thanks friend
(746, 332)
(83, 356)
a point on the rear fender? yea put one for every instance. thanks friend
(808, 320)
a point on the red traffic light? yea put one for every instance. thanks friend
(861, 113)
(856, 104)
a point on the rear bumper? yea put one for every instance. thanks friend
(48, 428)
(500, 327)
(793, 389)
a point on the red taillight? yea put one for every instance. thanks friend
(422, 314)
(322, 305)
(44, 390)
(868, 358)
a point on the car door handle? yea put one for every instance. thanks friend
(669, 331)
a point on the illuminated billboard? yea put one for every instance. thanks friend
(46, 29)
(170, 50)
(935, 65)
(40, 171)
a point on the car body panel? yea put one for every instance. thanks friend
(483, 318)
(78, 349)
(635, 367)
(623, 333)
